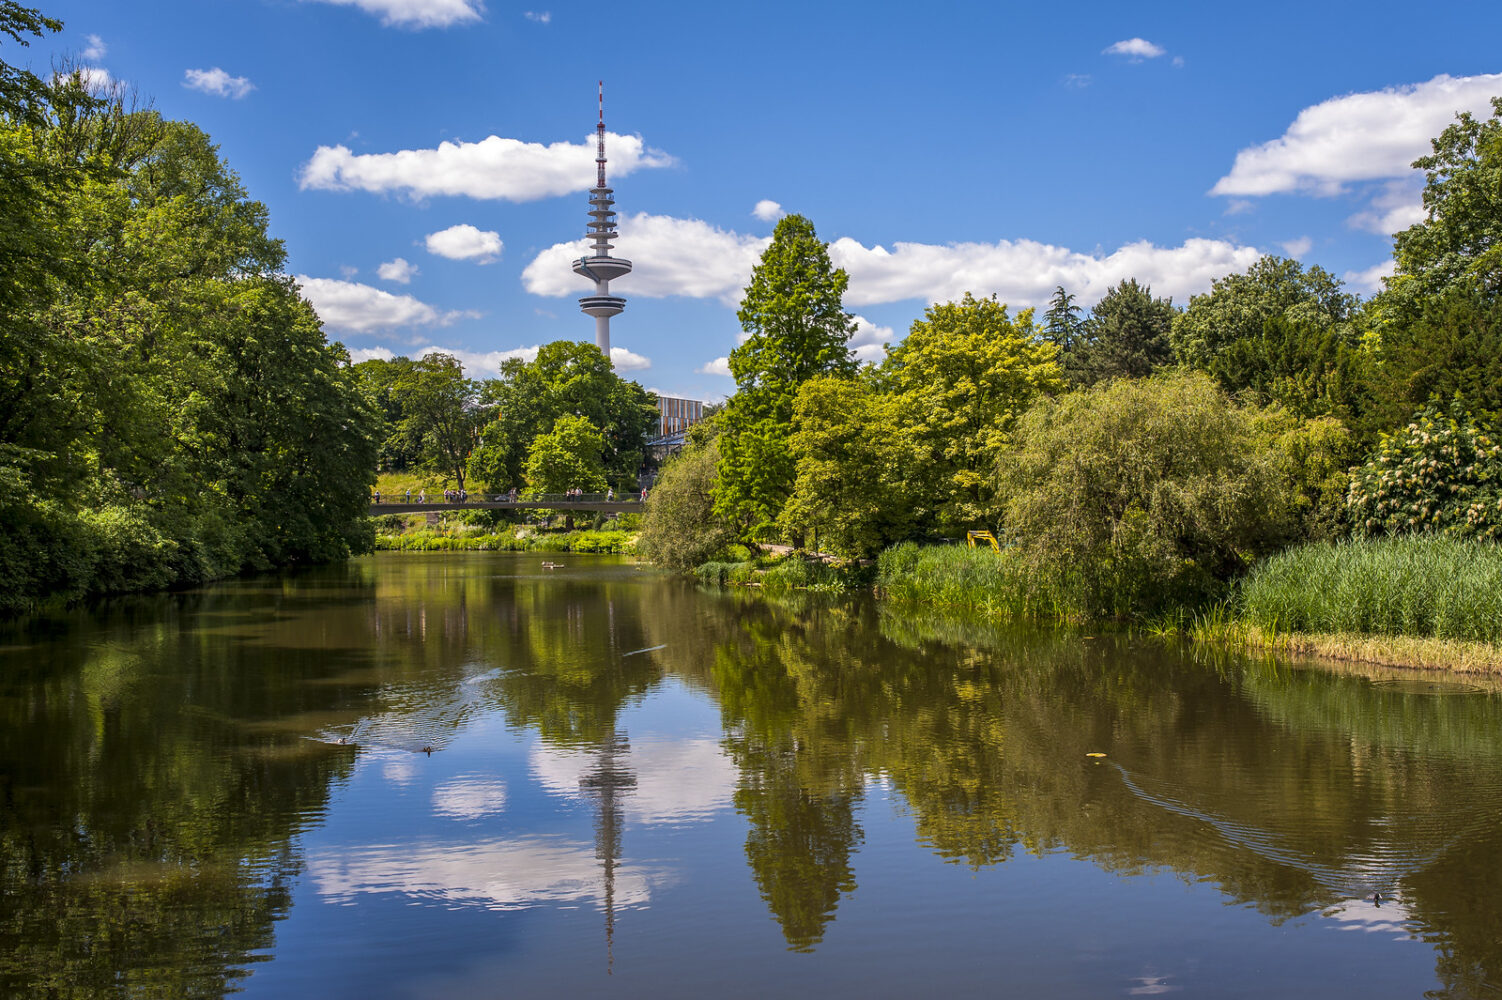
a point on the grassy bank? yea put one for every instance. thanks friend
(1417, 586)
(466, 538)
(777, 574)
(978, 579)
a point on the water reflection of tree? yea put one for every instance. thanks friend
(147, 812)
(1291, 793)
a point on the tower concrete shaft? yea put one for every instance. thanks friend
(600, 267)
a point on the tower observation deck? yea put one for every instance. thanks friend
(599, 266)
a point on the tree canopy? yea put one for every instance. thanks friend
(796, 329)
(1460, 238)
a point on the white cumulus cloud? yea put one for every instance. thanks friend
(719, 366)
(1024, 272)
(672, 256)
(628, 361)
(1135, 49)
(398, 270)
(869, 340)
(465, 242)
(1370, 279)
(540, 16)
(494, 167)
(1297, 247)
(768, 210)
(1371, 136)
(1395, 206)
(217, 82)
(357, 308)
(416, 13)
(94, 79)
(476, 363)
(95, 48)
(694, 259)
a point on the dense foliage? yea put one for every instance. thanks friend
(1135, 457)
(1140, 494)
(1439, 474)
(169, 408)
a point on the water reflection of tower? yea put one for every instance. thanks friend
(599, 266)
(607, 784)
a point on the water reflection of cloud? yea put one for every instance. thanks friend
(470, 797)
(1364, 915)
(677, 781)
(495, 874)
(399, 770)
(1152, 986)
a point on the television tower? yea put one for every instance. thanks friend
(599, 266)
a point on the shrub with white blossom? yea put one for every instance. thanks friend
(1440, 473)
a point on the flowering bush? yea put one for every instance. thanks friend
(1438, 474)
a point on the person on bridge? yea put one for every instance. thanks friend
(409, 495)
(423, 496)
(377, 496)
(610, 494)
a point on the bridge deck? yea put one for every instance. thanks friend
(437, 506)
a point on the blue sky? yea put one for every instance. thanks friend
(426, 161)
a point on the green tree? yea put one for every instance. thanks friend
(1440, 473)
(680, 529)
(169, 408)
(567, 457)
(1141, 494)
(1460, 238)
(849, 495)
(566, 377)
(1238, 306)
(441, 414)
(796, 329)
(961, 378)
(1450, 351)
(1127, 334)
(1065, 329)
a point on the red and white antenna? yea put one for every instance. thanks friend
(600, 152)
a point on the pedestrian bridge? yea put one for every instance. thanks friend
(597, 502)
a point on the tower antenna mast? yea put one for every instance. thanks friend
(599, 266)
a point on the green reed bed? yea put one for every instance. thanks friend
(957, 576)
(1415, 585)
(792, 572)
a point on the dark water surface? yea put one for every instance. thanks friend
(638, 788)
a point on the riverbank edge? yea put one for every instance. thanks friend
(1419, 653)
(587, 540)
(1408, 652)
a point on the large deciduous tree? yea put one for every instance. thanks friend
(566, 377)
(567, 457)
(852, 491)
(960, 380)
(441, 413)
(1460, 238)
(796, 329)
(169, 408)
(1142, 494)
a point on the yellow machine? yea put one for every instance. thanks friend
(977, 537)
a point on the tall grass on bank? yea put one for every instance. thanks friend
(791, 573)
(997, 585)
(1413, 585)
(479, 541)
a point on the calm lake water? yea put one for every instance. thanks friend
(461, 775)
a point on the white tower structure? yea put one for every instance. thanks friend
(599, 266)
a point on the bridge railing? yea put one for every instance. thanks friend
(528, 498)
